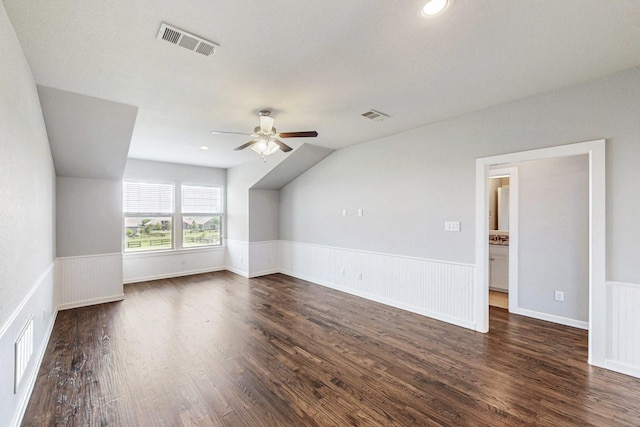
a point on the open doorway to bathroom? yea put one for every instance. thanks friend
(499, 241)
(594, 174)
(503, 232)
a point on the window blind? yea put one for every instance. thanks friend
(142, 197)
(201, 200)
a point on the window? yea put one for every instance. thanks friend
(201, 216)
(148, 216)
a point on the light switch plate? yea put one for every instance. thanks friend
(452, 226)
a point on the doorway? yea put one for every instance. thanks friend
(503, 236)
(597, 288)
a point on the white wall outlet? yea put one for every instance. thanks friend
(344, 212)
(452, 226)
(342, 272)
(241, 260)
(360, 212)
(360, 276)
(559, 296)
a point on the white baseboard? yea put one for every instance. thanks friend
(551, 318)
(171, 275)
(238, 272)
(622, 368)
(263, 273)
(86, 303)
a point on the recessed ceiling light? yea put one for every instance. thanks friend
(435, 7)
(204, 147)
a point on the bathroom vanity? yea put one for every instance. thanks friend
(499, 260)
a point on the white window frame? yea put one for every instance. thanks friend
(190, 213)
(142, 215)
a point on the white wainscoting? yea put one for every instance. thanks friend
(623, 306)
(87, 280)
(238, 257)
(38, 304)
(264, 258)
(140, 267)
(441, 290)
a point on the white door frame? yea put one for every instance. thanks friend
(512, 173)
(597, 228)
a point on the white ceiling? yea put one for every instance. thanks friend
(317, 65)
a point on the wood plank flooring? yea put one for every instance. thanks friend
(499, 299)
(221, 350)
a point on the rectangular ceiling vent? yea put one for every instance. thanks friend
(188, 41)
(376, 116)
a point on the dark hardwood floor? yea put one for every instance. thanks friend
(221, 350)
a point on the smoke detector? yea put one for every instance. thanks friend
(186, 40)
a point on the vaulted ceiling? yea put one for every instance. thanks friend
(316, 65)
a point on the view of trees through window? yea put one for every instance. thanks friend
(152, 223)
(200, 231)
(143, 234)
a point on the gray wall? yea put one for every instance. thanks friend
(89, 216)
(257, 220)
(263, 215)
(27, 180)
(409, 184)
(554, 236)
(145, 170)
(239, 180)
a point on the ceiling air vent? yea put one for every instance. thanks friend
(374, 115)
(188, 41)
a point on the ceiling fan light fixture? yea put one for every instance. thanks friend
(435, 7)
(266, 139)
(265, 147)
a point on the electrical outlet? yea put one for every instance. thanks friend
(241, 260)
(360, 212)
(342, 272)
(559, 296)
(344, 212)
(359, 276)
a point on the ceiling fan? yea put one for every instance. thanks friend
(265, 139)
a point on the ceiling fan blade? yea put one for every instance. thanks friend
(284, 147)
(266, 123)
(221, 132)
(307, 134)
(243, 146)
